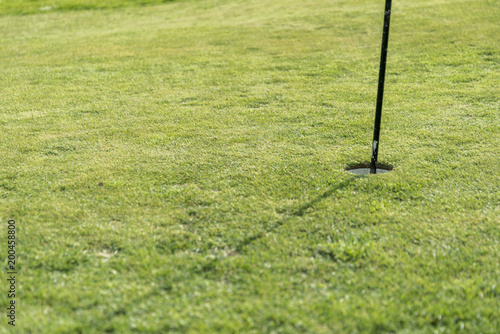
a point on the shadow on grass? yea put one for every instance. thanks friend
(295, 212)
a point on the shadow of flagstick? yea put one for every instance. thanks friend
(303, 208)
(289, 214)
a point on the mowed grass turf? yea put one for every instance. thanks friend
(179, 168)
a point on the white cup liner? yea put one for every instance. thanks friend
(366, 171)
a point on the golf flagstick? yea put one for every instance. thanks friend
(380, 94)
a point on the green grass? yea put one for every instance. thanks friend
(220, 131)
(15, 7)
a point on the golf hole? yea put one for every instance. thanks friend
(364, 169)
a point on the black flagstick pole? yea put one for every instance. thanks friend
(380, 94)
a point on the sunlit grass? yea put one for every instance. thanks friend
(180, 167)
